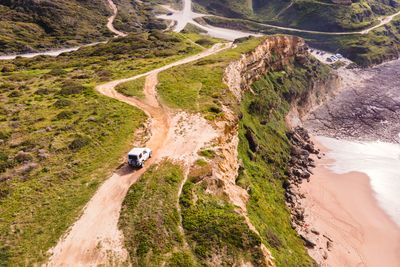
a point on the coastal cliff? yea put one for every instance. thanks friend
(272, 54)
(275, 85)
(232, 203)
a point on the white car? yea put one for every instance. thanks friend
(137, 156)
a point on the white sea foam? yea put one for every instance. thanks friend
(379, 160)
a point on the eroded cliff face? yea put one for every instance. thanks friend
(272, 54)
(321, 91)
(275, 53)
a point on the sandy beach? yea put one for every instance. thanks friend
(343, 208)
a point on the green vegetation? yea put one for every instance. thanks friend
(198, 86)
(55, 130)
(150, 219)
(265, 151)
(319, 15)
(151, 224)
(132, 88)
(207, 153)
(215, 231)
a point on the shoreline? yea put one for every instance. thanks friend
(343, 208)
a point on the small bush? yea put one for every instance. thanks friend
(23, 157)
(4, 135)
(78, 143)
(104, 75)
(273, 239)
(181, 259)
(71, 88)
(57, 72)
(204, 42)
(62, 103)
(43, 91)
(15, 94)
(215, 109)
(63, 115)
(207, 153)
(8, 68)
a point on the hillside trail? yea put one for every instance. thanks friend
(110, 23)
(95, 239)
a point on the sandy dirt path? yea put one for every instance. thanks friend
(110, 23)
(95, 239)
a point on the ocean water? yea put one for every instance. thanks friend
(379, 160)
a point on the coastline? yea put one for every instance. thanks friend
(343, 208)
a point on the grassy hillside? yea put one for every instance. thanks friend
(320, 15)
(150, 219)
(55, 130)
(27, 25)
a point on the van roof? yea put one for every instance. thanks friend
(136, 151)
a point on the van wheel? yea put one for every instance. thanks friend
(141, 165)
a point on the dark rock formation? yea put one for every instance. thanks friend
(299, 170)
(366, 111)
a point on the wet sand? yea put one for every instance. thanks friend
(343, 208)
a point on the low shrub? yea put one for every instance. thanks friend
(78, 143)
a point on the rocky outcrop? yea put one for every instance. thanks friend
(367, 108)
(299, 169)
(273, 53)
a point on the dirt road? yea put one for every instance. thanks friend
(95, 238)
(110, 23)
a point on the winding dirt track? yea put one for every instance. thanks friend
(95, 238)
(110, 23)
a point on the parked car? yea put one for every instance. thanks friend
(339, 56)
(137, 157)
(332, 59)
